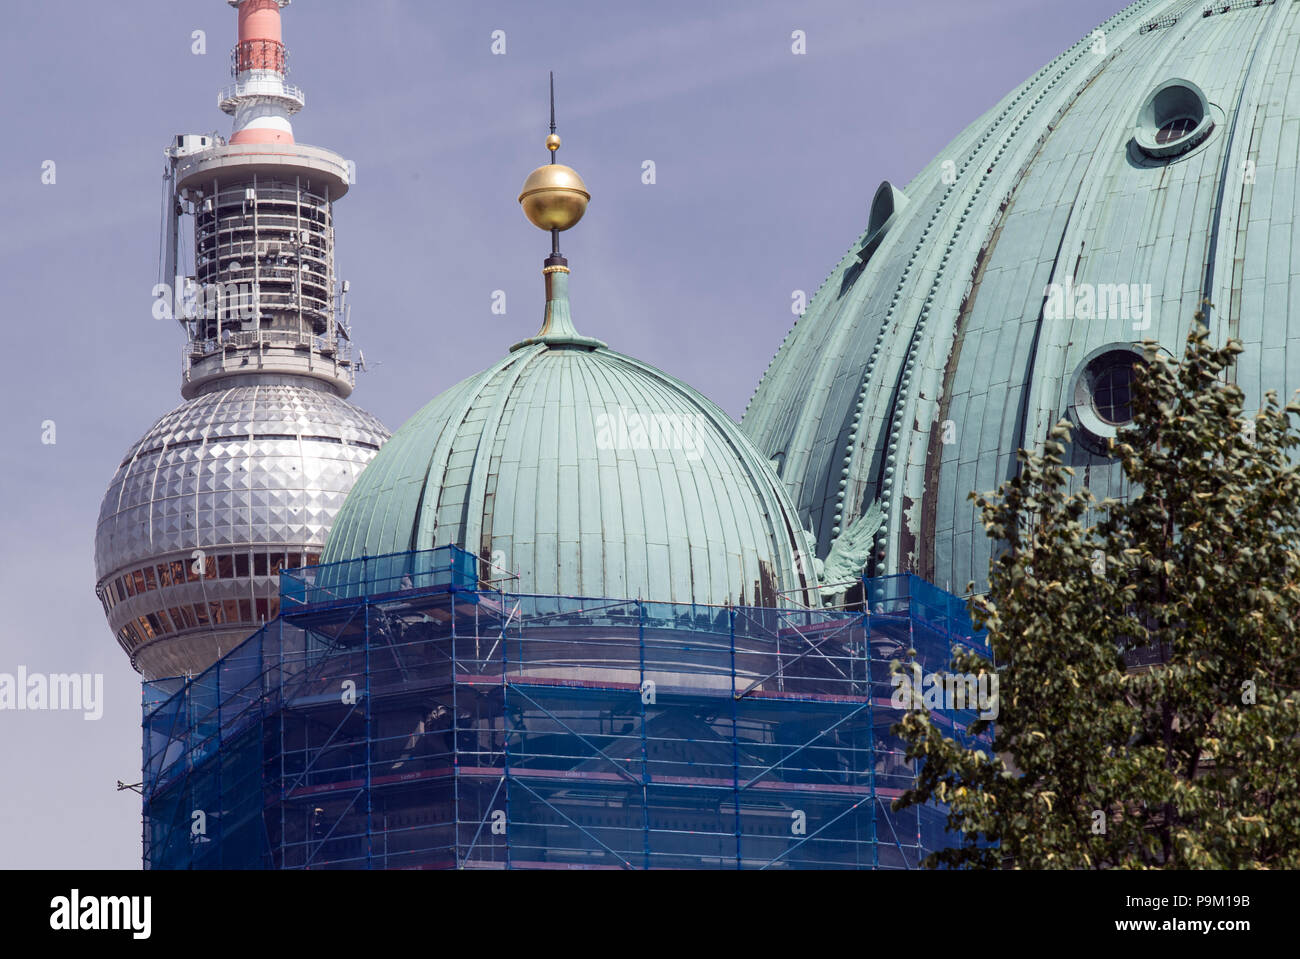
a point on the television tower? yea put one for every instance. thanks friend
(245, 477)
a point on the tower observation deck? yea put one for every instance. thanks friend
(263, 297)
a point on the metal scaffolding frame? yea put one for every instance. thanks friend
(399, 715)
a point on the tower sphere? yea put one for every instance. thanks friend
(211, 503)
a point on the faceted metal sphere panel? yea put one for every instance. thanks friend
(205, 509)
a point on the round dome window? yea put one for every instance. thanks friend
(1103, 391)
(1173, 119)
(1112, 393)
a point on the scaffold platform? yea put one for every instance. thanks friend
(397, 715)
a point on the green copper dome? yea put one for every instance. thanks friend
(587, 473)
(1151, 167)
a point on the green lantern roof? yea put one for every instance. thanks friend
(571, 469)
(587, 473)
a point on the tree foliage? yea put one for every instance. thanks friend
(1192, 762)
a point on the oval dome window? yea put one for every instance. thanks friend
(1174, 118)
(1103, 392)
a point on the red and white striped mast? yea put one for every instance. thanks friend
(259, 99)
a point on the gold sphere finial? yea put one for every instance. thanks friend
(554, 197)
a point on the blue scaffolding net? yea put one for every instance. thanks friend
(399, 715)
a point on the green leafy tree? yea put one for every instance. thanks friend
(1191, 761)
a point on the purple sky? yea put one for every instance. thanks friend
(766, 165)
